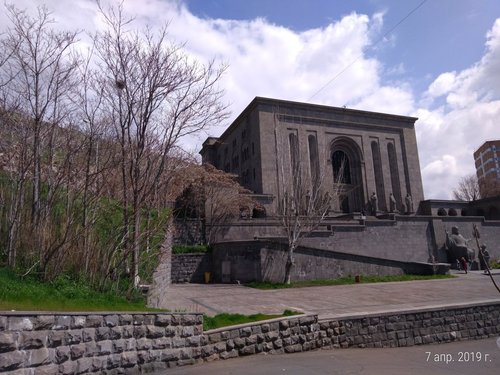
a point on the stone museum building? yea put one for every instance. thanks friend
(368, 152)
(353, 154)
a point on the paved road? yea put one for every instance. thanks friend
(335, 301)
(481, 357)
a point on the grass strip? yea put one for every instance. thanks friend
(345, 281)
(225, 319)
(63, 294)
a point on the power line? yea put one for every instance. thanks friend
(377, 42)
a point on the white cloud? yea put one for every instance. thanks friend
(459, 110)
(441, 173)
(449, 134)
(269, 60)
(442, 84)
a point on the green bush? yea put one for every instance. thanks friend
(495, 264)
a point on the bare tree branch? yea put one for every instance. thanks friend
(467, 189)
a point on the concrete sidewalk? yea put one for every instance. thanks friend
(336, 301)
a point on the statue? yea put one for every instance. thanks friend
(484, 258)
(457, 246)
(374, 204)
(392, 203)
(409, 204)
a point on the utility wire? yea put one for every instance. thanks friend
(361, 55)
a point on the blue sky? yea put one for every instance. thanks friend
(440, 35)
(441, 64)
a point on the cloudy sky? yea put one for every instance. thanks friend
(438, 60)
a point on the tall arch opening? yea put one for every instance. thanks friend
(341, 167)
(346, 161)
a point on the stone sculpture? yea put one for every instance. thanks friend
(374, 204)
(392, 203)
(409, 204)
(457, 246)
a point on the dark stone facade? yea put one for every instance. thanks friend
(382, 156)
(381, 150)
(264, 261)
(360, 247)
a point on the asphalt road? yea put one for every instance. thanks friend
(479, 357)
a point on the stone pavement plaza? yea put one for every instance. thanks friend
(335, 301)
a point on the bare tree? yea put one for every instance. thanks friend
(303, 202)
(155, 95)
(15, 163)
(467, 189)
(42, 72)
(37, 77)
(215, 196)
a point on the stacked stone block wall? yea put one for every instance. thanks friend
(376, 331)
(278, 336)
(188, 231)
(140, 343)
(96, 343)
(190, 268)
(412, 328)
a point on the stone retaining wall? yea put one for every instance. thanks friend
(412, 328)
(97, 343)
(287, 335)
(189, 268)
(374, 331)
(259, 260)
(139, 343)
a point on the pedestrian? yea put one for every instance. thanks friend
(463, 263)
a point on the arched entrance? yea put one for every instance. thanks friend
(346, 160)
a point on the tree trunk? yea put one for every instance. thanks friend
(14, 219)
(136, 246)
(290, 262)
(35, 208)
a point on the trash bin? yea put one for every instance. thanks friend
(357, 278)
(207, 277)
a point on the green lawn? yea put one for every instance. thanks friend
(223, 320)
(345, 281)
(28, 294)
